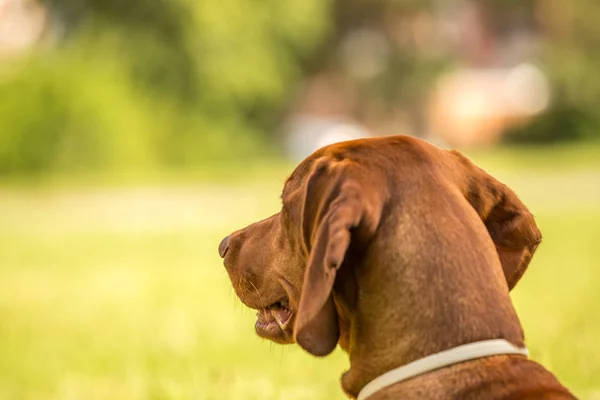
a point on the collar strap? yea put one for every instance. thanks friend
(455, 355)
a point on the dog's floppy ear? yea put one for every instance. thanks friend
(337, 206)
(510, 224)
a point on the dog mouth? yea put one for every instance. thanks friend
(272, 322)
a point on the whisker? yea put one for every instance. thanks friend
(257, 292)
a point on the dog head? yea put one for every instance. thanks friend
(296, 267)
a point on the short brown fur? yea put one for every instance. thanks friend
(395, 249)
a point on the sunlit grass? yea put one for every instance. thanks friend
(132, 317)
(120, 294)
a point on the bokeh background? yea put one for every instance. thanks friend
(135, 134)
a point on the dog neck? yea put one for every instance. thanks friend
(402, 316)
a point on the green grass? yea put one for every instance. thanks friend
(119, 293)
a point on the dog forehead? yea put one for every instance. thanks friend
(299, 175)
(365, 152)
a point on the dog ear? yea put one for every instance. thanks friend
(510, 224)
(336, 206)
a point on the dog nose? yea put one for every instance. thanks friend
(224, 246)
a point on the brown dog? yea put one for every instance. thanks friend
(396, 250)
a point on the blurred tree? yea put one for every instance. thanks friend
(177, 82)
(570, 57)
(152, 38)
(415, 45)
(156, 81)
(381, 58)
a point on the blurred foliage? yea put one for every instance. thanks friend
(563, 122)
(567, 36)
(142, 83)
(571, 60)
(168, 83)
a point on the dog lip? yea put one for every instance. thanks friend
(263, 305)
(276, 307)
(273, 320)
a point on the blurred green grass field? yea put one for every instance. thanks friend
(117, 292)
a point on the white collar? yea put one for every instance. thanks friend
(439, 360)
